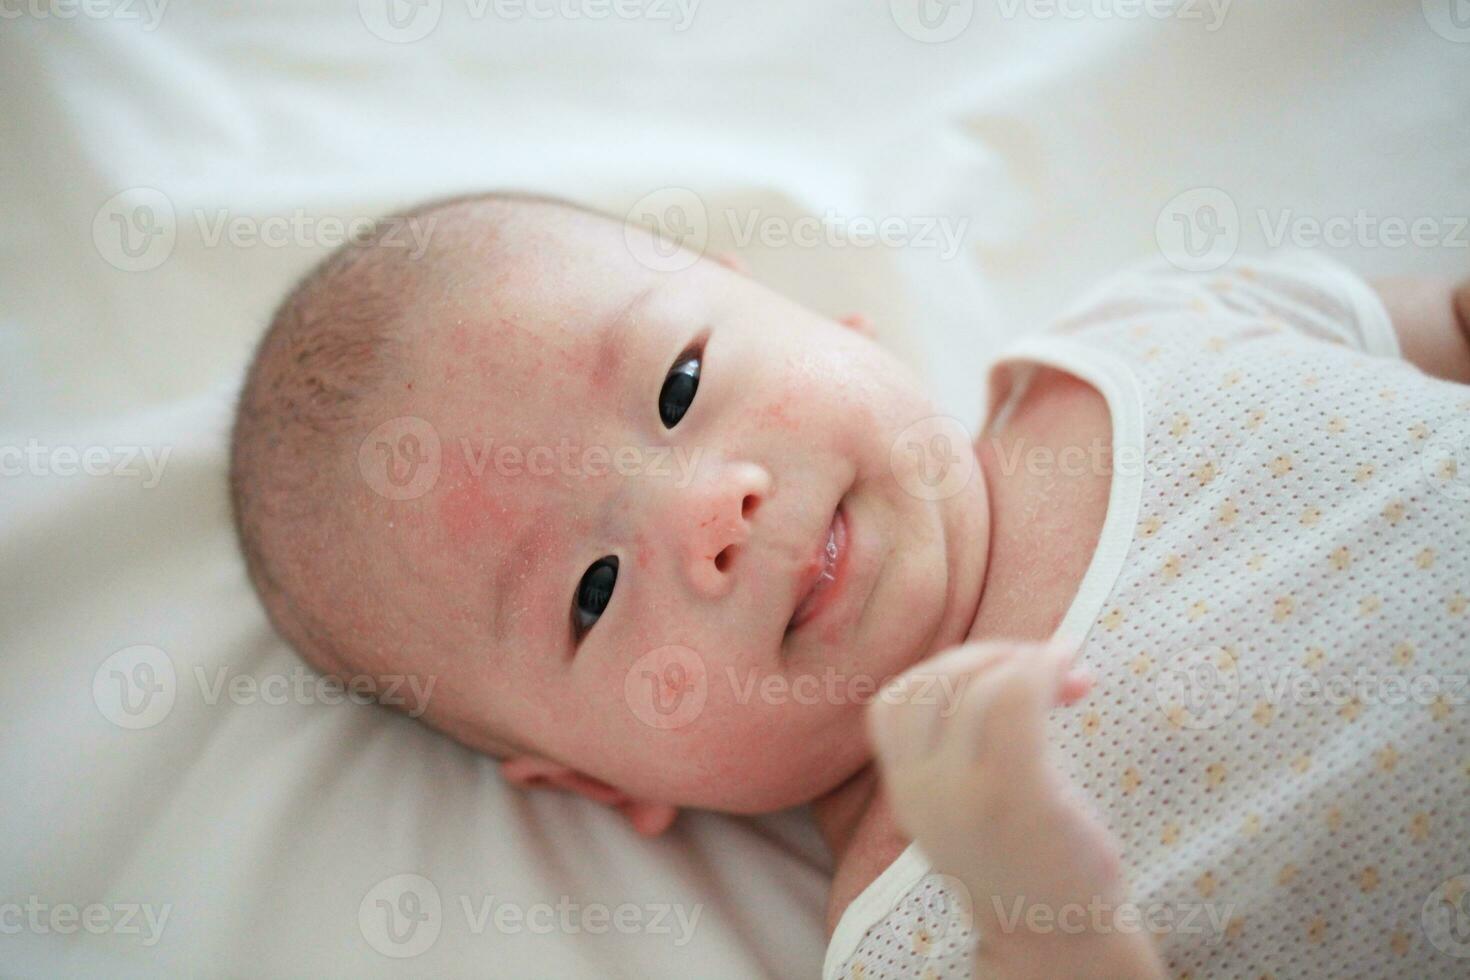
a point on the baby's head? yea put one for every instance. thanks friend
(593, 502)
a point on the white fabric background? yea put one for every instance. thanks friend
(264, 826)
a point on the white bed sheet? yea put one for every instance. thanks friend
(264, 828)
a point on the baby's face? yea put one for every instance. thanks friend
(565, 446)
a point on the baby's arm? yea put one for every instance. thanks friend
(1432, 320)
(972, 783)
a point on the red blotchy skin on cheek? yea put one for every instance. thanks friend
(467, 508)
(596, 369)
(642, 553)
(459, 340)
(774, 416)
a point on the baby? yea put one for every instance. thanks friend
(621, 515)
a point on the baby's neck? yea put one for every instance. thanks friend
(858, 827)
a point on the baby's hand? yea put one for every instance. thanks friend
(961, 744)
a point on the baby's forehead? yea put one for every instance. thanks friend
(530, 305)
(507, 337)
(510, 396)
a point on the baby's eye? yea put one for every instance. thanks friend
(679, 388)
(593, 593)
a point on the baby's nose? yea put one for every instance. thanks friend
(716, 523)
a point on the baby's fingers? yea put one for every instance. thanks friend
(993, 688)
(1074, 686)
(1072, 682)
(1006, 709)
(908, 716)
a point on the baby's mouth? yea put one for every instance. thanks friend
(822, 576)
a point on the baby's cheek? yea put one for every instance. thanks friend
(717, 738)
(778, 415)
(643, 552)
(468, 507)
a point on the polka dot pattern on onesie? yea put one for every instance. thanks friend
(1280, 730)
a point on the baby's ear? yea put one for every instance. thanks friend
(860, 323)
(649, 819)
